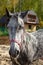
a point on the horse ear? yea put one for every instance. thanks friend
(7, 12)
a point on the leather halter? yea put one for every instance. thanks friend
(19, 43)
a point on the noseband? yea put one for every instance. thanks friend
(20, 45)
(17, 42)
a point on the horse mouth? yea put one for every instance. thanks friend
(16, 54)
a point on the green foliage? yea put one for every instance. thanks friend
(3, 31)
(5, 4)
(36, 5)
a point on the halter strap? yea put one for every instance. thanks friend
(19, 43)
(16, 42)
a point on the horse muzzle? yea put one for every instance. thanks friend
(13, 53)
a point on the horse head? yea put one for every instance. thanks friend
(22, 43)
(15, 29)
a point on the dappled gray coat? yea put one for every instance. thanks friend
(34, 51)
(39, 36)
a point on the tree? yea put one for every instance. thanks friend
(3, 5)
(36, 5)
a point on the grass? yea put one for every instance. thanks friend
(3, 31)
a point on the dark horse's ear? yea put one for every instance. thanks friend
(7, 13)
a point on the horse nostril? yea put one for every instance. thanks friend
(17, 52)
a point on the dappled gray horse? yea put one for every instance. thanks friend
(25, 47)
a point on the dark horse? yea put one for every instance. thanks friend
(25, 47)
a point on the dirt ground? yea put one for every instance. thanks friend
(4, 40)
(4, 53)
